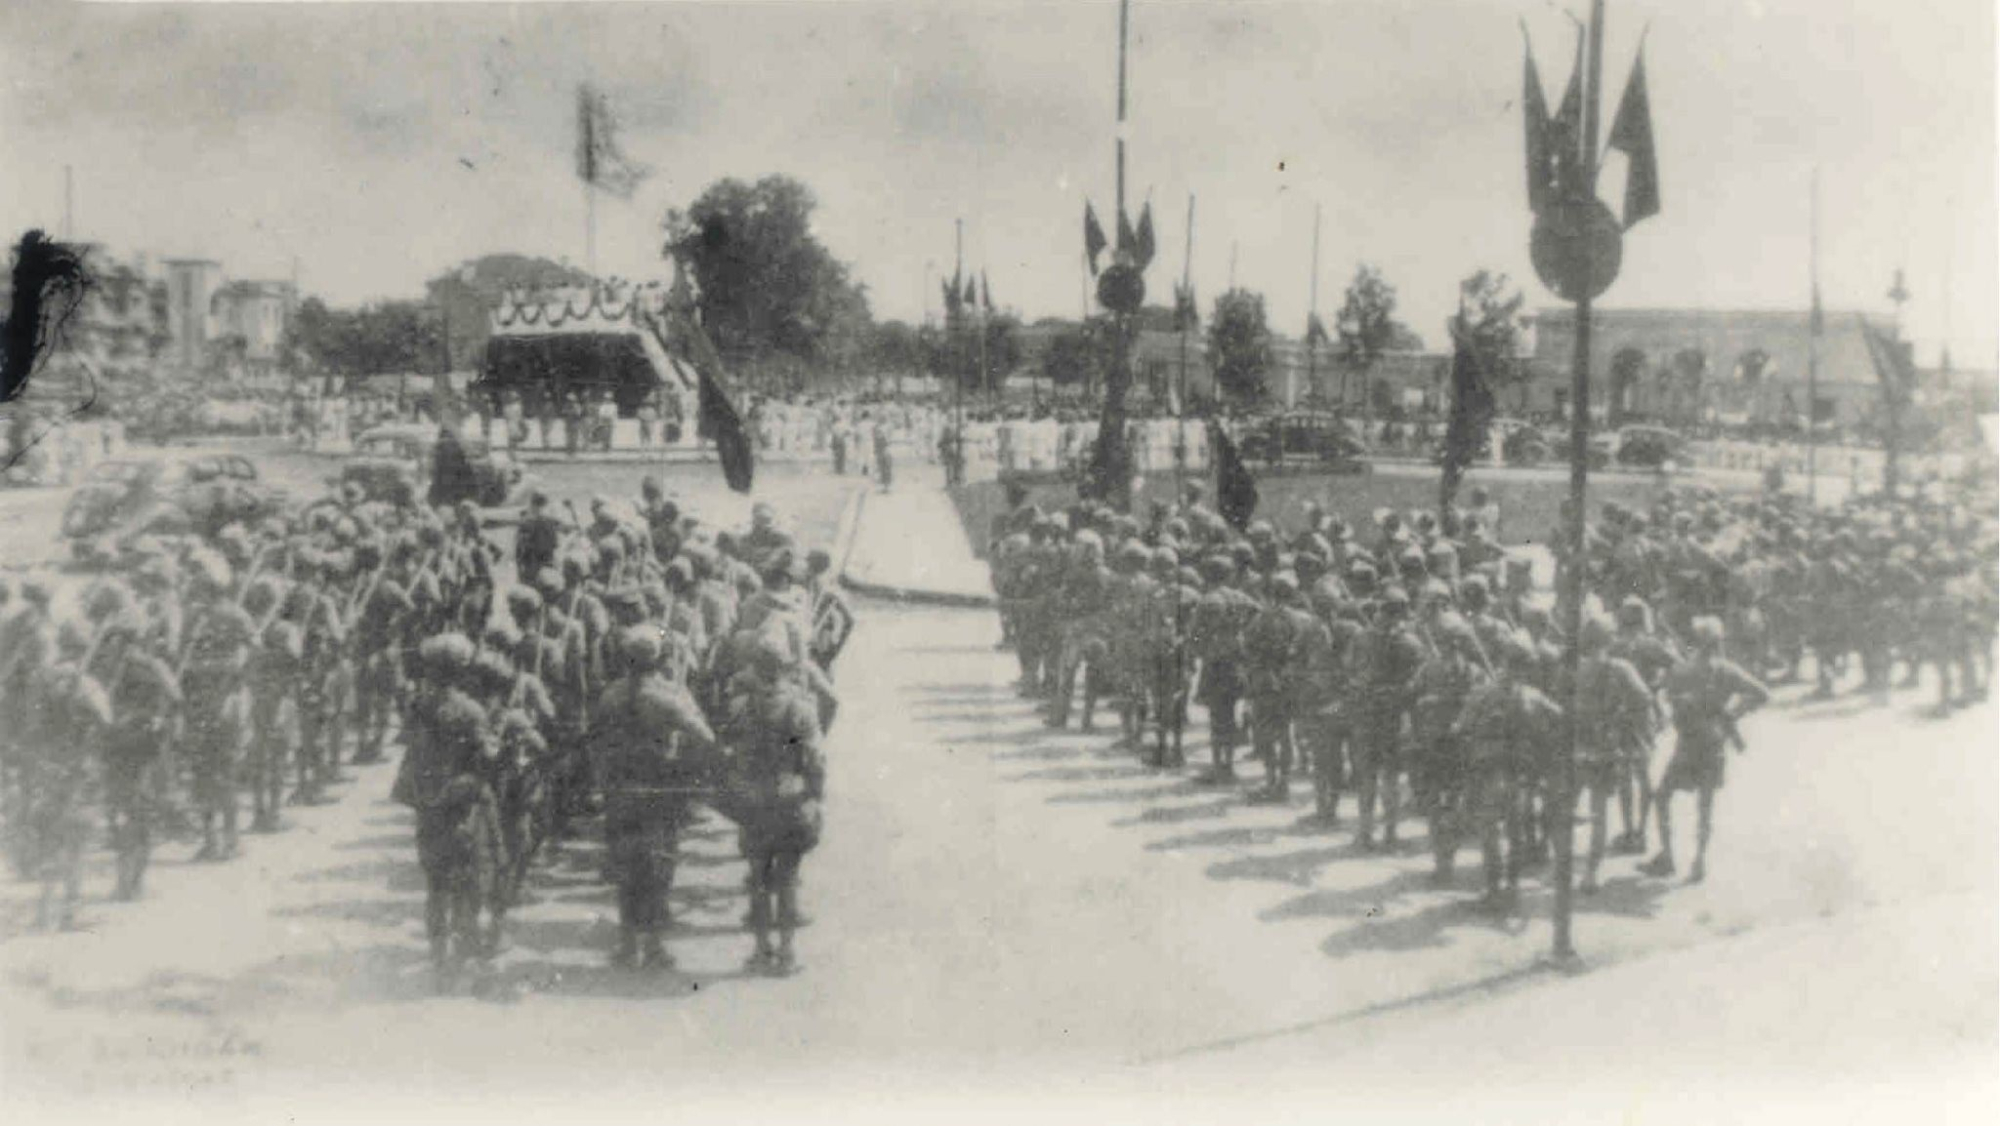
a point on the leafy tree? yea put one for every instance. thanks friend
(1366, 323)
(1003, 352)
(1071, 357)
(894, 346)
(1239, 345)
(382, 339)
(1690, 370)
(770, 292)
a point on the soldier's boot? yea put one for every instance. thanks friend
(1444, 844)
(1364, 800)
(437, 926)
(1599, 829)
(760, 926)
(1491, 858)
(1704, 814)
(208, 849)
(783, 960)
(653, 953)
(1392, 808)
(229, 835)
(1662, 863)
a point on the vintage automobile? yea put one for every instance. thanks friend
(393, 463)
(1650, 447)
(1302, 439)
(175, 495)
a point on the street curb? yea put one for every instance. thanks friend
(911, 595)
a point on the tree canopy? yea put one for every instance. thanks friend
(770, 294)
(1239, 345)
(386, 338)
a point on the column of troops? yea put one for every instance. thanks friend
(1413, 664)
(639, 664)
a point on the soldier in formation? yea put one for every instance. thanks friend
(1416, 660)
(639, 666)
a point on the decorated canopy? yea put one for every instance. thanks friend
(605, 336)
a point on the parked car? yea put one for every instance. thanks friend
(168, 496)
(393, 462)
(1318, 439)
(1650, 447)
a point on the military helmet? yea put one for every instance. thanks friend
(1595, 634)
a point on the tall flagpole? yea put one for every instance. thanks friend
(1563, 949)
(958, 346)
(1312, 311)
(1812, 358)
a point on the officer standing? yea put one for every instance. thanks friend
(652, 745)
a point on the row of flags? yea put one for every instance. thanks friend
(962, 293)
(1559, 155)
(1136, 245)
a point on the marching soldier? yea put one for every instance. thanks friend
(1615, 720)
(1709, 694)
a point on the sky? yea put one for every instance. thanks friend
(380, 145)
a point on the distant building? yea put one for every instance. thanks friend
(254, 315)
(119, 327)
(247, 320)
(191, 288)
(1687, 366)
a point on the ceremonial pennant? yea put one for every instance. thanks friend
(1142, 240)
(1632, 134)
(1892, 360)
(1093, 236)
(717, 416)
(1535, 113)
(1235, 488)
(985, 292)
(1566, 140)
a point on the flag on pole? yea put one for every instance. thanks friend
(1093, 236)
(953, 294)
(1128, 242)
(599, 161)
(1235, 488)
(1142, 240)
(1471, 411)
(1535, 114)
(1632, 134)
(985, 293)
(1566, 140)
(717, 418)
(972, 292)
(1316, 330)
(1894, 365)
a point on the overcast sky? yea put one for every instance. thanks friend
(383, 144)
